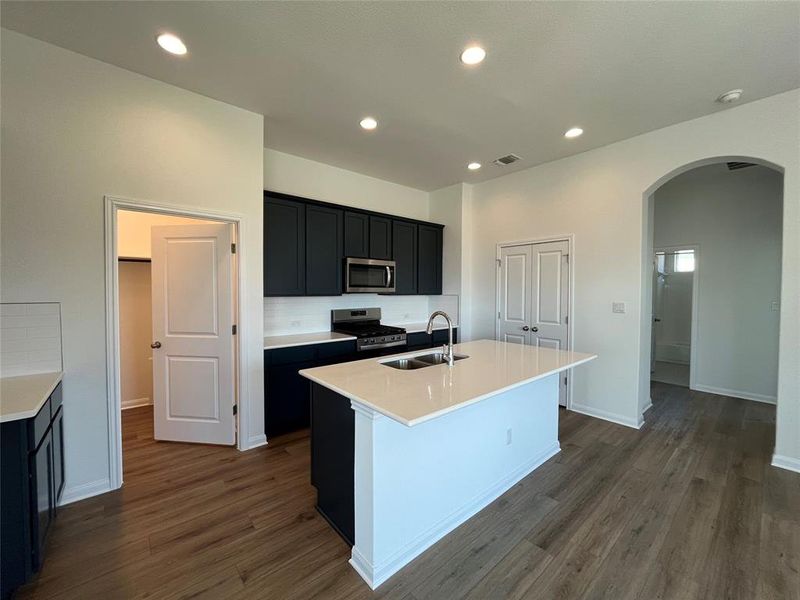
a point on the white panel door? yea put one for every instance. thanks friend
(515, 294)
(534, 298)
(550, 300)
(193, 312)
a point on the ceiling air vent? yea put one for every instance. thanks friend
(506, 160)
(733, 166)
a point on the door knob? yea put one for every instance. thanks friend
(155, 345)
(525, 328)
(534, 329)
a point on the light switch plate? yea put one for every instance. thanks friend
(618, 307)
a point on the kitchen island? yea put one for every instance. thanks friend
(401, 457)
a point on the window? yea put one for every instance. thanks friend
(684, 261)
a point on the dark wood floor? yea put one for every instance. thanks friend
(687, 507)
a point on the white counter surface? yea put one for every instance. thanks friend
(413, 397)
(22, 397)
(304, 339)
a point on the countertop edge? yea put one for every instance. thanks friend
(449, 409)
(27, 414)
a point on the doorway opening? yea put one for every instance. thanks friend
(534, 298)
(674, 292)
(173, 350)
(713, 242)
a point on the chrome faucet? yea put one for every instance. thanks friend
(447, 351)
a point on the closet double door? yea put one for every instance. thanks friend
(534, 297)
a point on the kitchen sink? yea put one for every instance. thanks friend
(420, 361)
(437, 358)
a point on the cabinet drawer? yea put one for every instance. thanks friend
(333, 350)
(38, 426)
(293, 354)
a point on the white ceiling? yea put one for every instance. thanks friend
(314, 69)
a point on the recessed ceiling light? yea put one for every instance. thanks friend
(730, 96)
(171, 43)
(368, 123)
(473, 55)
(574, 132)
(474, 166)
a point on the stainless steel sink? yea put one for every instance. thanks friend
(437, 358)
(420, 361)
(406, 364)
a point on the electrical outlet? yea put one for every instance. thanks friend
(618, 307)
(508, 436)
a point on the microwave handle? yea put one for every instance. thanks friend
(388, 276)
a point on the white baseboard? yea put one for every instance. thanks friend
(786, 462)
(85, 490)
(734, 393)
(375, 575)
(136, 402)
(608, 416)
(255, 441)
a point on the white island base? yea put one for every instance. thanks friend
(413, 485)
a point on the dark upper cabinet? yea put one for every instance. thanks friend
(404, 251)
(284, 247)
(380, 238)
(356, 234)
(429, 276)
(323, 251)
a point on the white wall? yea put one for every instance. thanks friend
(735, 219)
(135, 334)
(73, 130)
(600, 197)
(298, 176)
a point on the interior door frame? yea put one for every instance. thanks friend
(113, 205)
(570, 239)
(693, 334)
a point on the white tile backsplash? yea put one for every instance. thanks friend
(30, 338)
(311, 314)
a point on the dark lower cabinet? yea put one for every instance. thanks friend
(31, 483)
(429, 259)
(332, 458)
(404, 252)
(421, 340)
(324, 232)
(286, 392)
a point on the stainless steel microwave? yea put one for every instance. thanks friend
(368, 275)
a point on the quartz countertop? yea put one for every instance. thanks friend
(21, 397)
(416, 396)
(304, 339)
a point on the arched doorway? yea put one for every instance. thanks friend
(683, 174)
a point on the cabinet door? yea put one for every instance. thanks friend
(356, 234)
(288, 402)
(429, 277)
(42, 497)
(380, 238)
(404, 250)
(418, 341)
(58, 455)
(284, 247)
(323, 251)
